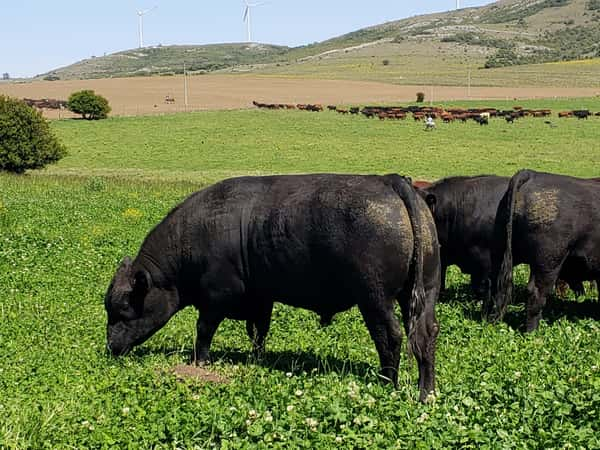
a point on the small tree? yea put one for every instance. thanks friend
(420, 97)
(26, 141)
(90, 105)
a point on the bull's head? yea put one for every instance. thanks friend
(135, 308)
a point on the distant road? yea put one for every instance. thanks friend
(137, 96)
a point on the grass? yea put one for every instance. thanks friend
(61, 238)
(208, 146)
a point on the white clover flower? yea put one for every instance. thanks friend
(298, 393)
(338, 439)
(370, 400)
(268, 417)
(312, 423)
(288, 374)
(252, 414)
(125, 410)
(422, 418)
(289, 408)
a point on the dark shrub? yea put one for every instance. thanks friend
(26, 141)
(90, 105)
(420, 97)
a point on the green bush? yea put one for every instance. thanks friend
(89, 104)
(26, 141)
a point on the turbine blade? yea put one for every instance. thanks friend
(147, 10)
(246, 13)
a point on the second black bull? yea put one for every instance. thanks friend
(321, 242)
(552, 223)
(464, 209)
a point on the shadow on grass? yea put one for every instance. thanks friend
(290, 361)
(283, 361)
(461, 296)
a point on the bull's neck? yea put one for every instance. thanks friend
(160, 253)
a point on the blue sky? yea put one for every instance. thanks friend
(37, 36)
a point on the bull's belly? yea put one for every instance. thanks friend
(327, 305)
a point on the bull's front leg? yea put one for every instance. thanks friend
(258, 327)
(205, 330)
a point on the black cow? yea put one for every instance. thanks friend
(321, 242)
(464, 209)
(552, 223)
(582, 113)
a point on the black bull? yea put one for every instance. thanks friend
(552, 223)
(321, 242)
(464, 209)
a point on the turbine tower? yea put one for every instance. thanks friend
(457, 4)
(246, 18)
(141, 14)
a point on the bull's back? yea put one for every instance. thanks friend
(557, 211)
(317, 240)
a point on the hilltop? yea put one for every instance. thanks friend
(168, 60)
(435, 48)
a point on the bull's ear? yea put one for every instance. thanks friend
(431, 201)
(142, 282)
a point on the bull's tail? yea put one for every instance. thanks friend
(502, 258)
(403, 187)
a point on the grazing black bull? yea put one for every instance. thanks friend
(553, 224)
(321, 242)
(464, 210)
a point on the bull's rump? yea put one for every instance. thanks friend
(315, 241)
(556, 216)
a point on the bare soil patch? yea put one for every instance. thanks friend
(198, 373)
(140, 96)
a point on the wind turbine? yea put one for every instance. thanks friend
(246, 18)
(457, 4)
(141, 14)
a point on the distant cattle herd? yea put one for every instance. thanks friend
(418, 113)
(46, 103)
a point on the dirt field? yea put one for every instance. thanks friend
(134, 96)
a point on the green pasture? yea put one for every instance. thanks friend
(63, 232)
(208, 146)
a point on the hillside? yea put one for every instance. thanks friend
(417, 49)
(168, 60)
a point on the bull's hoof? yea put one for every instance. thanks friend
(200, 362)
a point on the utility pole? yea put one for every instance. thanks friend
(469, 83)
(185, 87)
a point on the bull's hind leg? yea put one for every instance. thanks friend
(541, 284)
(423, 341)
(385, 331)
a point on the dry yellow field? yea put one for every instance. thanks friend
(135, 96)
